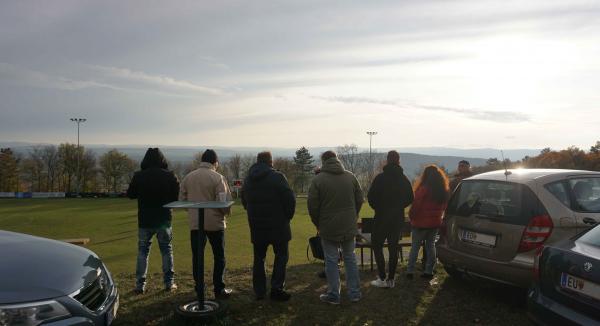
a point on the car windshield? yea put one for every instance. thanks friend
(592, 237)
(586, 194)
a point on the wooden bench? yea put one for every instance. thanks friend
(366, 227)
(364, 244)
(78, 241)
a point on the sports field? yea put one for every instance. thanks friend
(111, 225)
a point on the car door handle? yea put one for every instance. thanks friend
(589, 220)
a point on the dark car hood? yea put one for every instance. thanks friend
(33, 268)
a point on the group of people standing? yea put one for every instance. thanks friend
(334, 201)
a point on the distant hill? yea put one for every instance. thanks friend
(411, 161)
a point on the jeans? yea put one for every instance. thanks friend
(333, 274)
(164, 237)
(391, 232)
(217, 243)
(418, 236)
(259, 277)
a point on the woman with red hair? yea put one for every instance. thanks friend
(426, 212)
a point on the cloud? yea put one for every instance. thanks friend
(120, 79)
(26, 77)
(476, 114)
(142, 80)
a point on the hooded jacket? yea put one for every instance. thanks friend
(153, 186)
(334, 200)
(390, 193)
(270, 204)
(205, 184)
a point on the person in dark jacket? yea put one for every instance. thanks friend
(390, 193)
(463, 172)
(153, 187)
(334, 201)
(270, 204)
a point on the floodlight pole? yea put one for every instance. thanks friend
(371, 134)
(78, 121)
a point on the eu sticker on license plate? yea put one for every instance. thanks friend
(478, 238)
(579, 285)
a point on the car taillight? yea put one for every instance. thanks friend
(536, 263)
(536, 233)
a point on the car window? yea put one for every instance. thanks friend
(493, 199)
(586, 194)
(560, 191)
(592, 237)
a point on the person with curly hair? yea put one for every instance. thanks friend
(431, 197)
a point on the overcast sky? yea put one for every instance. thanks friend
(467, 74)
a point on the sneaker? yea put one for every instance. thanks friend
(280, 295)
(171, 287)
(409, 276)
(355, 299)
(427, 276)
(259, 297)
(379, 283)
(390, 283)
(139, 290)
(223, 294)
(326, 298)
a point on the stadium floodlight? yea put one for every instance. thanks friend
(78, 121)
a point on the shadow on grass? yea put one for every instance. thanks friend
(475, 302)
(395, 306)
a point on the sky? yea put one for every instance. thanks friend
(464, 74)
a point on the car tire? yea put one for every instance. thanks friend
(454, 273)
(218, 312)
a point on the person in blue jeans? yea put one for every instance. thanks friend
(426, 213)
(334, 200)
(154, 186)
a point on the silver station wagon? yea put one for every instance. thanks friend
(496, 221)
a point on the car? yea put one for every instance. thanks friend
(495, 221)
(54, 283)
(566, 290)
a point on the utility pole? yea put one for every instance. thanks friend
(78, 121)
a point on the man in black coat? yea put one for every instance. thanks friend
(153, 187)
(390, 193)
(270, 204)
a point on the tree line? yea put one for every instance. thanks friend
(68, 168)
(570, 158)
(64, 168)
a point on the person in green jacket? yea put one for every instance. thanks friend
(334, 200)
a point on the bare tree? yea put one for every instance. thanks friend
(246, 162)
(32, 168)
(234, 165)
(348, 154)
(67, 155)
(51, 165)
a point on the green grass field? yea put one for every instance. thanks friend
(111, 225)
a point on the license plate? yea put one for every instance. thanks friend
(478, 238)
(579, 285)
(112, 313)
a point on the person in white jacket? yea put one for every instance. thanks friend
(205, 184)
